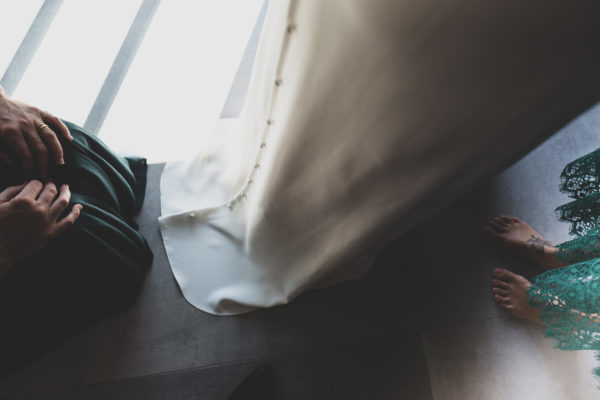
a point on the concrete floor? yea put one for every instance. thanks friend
(421, 325)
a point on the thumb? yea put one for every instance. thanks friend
(10, 192)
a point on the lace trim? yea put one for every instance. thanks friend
(580, 177)
(580, 249)
(569, 298)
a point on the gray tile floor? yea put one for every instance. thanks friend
(473, 350)
(421, 325)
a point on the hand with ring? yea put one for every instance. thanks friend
(31, 135)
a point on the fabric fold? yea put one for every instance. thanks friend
(361, 119)
(89, 272)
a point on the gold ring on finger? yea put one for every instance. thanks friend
(41, 127)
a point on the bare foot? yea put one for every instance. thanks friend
(520, 238)
(510, 292)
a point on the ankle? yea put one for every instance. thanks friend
(550, 257)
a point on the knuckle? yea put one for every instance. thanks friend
(66, 223)
(24, 202)
(37, 185)
(62, 202)
(39, 210)
(10, 131)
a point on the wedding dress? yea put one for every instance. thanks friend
(362, 117)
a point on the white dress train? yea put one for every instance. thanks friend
(361, 118)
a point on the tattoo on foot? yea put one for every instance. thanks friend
(538, 244)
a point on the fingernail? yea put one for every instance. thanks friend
(61, 161)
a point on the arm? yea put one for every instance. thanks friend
(29, 218)
(30, 134)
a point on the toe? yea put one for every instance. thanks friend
(500, 221)
(500, 284)
(500, 273)
(502, 299)
(497, 227)
(507, 307)
(500, 292)
(507, 220)
(506, 275)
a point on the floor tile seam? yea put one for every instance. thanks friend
(428, 369)
(428, 362)
(131, 379)
(157, 375)
(426, 356)
(326, 346)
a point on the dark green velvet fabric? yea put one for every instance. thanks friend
(91, 271)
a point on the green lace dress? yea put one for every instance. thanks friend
(569, 297)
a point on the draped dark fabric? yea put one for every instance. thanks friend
(88, 273)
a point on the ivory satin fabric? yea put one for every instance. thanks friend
(362, 117)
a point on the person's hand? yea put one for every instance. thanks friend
(31, 134)
(29, 218)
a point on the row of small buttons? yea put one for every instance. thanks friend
(243, 193)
